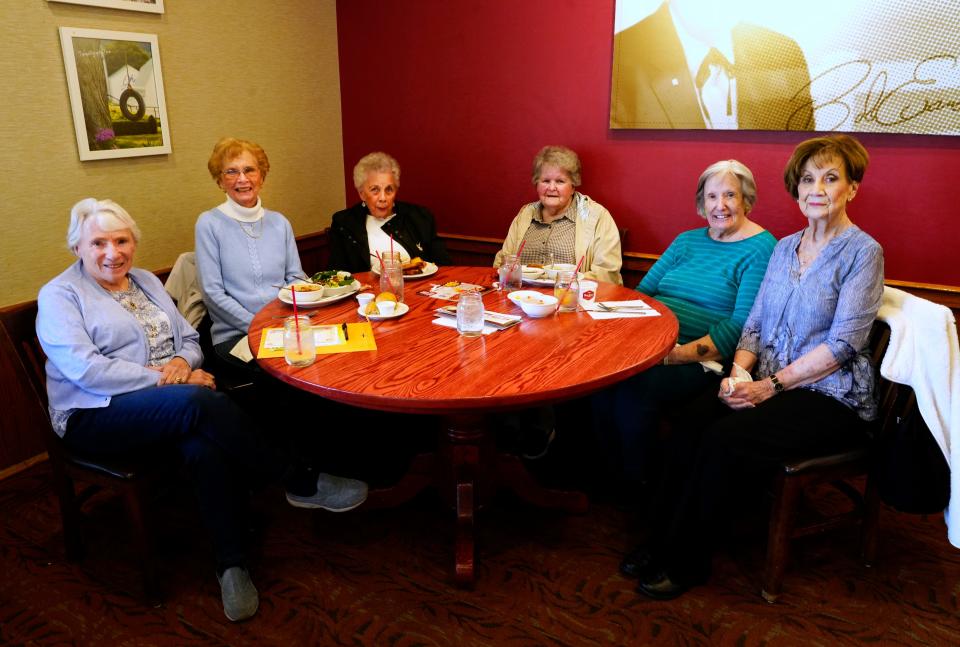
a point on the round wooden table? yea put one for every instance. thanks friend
(421, 367)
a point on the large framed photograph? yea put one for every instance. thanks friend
(882, 66)
(150, 6)
(116, 93)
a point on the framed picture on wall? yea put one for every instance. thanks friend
(882, 66)
(150, 6)
(116, 93)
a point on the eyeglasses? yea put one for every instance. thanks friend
(233, 174)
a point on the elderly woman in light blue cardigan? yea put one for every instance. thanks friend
(123, 379)
(243, 250)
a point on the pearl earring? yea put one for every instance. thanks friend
(363, 203)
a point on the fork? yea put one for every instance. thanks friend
(605, 307)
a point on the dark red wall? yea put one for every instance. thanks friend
(464, 93)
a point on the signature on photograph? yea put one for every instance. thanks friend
(860, 96)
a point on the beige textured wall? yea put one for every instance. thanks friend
(265, 71)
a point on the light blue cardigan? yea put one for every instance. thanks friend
(237, 273)
(95, 348)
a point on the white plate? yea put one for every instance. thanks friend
(544, 281)
(323, 301)
(540, 281)
(428, 270)
(402, 309)
(532, 272)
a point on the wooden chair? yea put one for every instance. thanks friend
(132, 480)
(796, 476)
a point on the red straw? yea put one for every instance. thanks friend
(575, 273)
(391, 247)
(296, 319)
(520, 249)
(579, 265)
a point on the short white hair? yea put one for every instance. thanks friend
(110, 217)
(377, 162)
(748, 186)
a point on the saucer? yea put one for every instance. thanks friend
(402, 309)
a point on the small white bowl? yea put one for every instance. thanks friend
(329, 291)
(532, 272)
(311, 295)
(552, 270)
(533, 303)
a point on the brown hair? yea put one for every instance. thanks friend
(228, 148)
(820, 149)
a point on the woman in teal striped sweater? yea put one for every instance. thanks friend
(708, 277)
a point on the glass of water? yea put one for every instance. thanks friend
(391, 278)
(511, 273)
(298, 343)
(470, 314)
(566, 288)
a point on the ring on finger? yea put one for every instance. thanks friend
(179, 380)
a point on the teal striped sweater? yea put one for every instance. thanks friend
(710, 286)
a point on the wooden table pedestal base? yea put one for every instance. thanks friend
(468, 471)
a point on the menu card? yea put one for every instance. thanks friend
(327, 338)
(498, 320)
(451, 291)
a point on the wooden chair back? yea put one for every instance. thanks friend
(797, 476)
(131, 479)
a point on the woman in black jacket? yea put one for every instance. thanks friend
(366, 227)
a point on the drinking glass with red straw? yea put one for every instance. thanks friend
(296, 318)
(563, 295)
(519, 251)
(393, 286)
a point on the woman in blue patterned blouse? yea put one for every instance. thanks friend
(801, 383)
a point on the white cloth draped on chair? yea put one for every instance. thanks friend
(924, 353)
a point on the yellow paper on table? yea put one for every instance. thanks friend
(328, 339)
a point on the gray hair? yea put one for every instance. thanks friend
(375, 163)
(748, 186)
(561, 157)
(110, 217)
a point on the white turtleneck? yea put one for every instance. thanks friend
(239, 212)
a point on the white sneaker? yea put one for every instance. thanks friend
(334, 493)
(239, 595)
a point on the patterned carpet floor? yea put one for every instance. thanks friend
(382, 577)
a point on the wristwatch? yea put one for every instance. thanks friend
(777, 387)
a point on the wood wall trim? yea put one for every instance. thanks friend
(7, 472)
(640, 262)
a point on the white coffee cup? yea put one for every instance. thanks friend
(588, 293)
(364, 298)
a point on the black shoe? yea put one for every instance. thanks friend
(637, 563)
(659, 586)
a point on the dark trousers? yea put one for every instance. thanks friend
(627, 416)
(349, 441)
(223, 455)
(718, 458)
